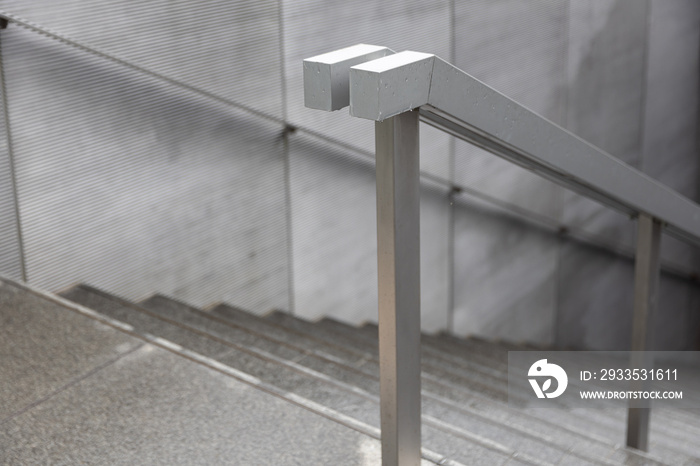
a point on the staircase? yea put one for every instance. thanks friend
(236, 388)
(466, 417)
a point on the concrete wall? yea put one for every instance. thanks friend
(226, 188)
(635, 95)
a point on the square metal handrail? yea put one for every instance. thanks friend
(397, 90)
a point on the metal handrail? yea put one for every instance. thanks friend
(452, 100)
(396, 90)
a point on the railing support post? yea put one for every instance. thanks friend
(646, 287)
(398, 250)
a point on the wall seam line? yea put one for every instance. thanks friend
(287, 163)
(11, 160)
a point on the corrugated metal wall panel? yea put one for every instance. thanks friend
(10, 250)
(136, 186)
(229, 48)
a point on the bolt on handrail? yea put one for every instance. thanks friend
(396, 90)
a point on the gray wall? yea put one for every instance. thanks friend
(10, 250)
(202, 190)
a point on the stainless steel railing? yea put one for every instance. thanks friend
(397, 90)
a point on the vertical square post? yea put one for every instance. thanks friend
(646, 291)
(398, 255)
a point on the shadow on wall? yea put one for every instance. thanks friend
(605, 95)
(595, 288)
(596, 304)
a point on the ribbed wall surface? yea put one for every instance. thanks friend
(10, 251)
(230, 48)
(163, 164)
(135, 185)
(334, 236)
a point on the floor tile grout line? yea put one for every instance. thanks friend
(74, 381)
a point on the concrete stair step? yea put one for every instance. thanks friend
(312, 361)
(433, 361)
(686, 425)
(675, 431)
(330, 330)
(529, 445)
(477, 379)
(445, 427)
(336, 331)
(433, 354)
(80, 388)
(256, 363)
(677, 428)
(473, 351)
(317, 336)
(599, 426)
(470, 353)
(289, 376)
(307, 342)
(488, 360)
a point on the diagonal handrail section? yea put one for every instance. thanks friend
(396, 90)
(462, 105)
